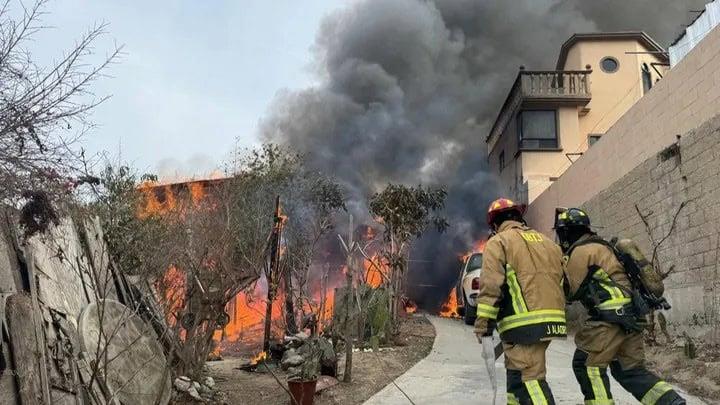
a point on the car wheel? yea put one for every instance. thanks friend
(470, 314)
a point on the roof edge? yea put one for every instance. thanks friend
(640, 36)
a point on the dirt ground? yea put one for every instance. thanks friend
(699, 376)
(371, 371)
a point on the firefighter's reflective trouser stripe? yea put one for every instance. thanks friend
(642, 384)
(530, 392)
(645, 386)
(594, 381)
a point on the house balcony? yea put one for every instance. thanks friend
(542, 89)
(561, 86)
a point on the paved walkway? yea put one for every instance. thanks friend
(454, 374)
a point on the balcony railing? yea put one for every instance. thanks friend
(555, 84)
(542, 88)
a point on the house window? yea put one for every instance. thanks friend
(592, 138)
(646, 78)
(609, 64)
(501, 160)
(537, 129)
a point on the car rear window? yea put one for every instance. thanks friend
(475, 262)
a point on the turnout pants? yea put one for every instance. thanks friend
(525, 365)
(601, 344)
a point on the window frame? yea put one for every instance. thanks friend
(520, 137)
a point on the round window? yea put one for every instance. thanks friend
(609, 64)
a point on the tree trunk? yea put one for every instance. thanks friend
(291, 327)
(347, 377)
(268, 313)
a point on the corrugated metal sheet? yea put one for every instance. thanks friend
(695, 32)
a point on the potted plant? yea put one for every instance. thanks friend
(302, 383)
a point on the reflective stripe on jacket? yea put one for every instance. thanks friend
(596, 278)
(521, 285)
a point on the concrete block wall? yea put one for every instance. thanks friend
(687, 97)
(677, 191)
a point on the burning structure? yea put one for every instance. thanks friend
(246, 311)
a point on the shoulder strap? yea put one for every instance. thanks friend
(591, 239)
(618, 256)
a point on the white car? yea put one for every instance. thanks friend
(469, 287)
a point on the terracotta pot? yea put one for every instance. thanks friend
(303, 392)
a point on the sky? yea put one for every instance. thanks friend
(195, 77)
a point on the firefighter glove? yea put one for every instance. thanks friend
(484, 327)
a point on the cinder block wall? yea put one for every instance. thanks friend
(677, 191)
(687, 97)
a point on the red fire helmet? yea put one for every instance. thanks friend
(503, 205)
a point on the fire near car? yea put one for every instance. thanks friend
(469, 287)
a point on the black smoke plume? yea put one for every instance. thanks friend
(408, 90)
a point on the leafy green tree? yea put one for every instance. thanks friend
(405, 213)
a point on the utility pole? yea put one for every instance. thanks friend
(272, 272)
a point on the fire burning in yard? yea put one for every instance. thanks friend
(376, 271)
(260, 357)
(410, 307)
(246, 311)
(449, 307)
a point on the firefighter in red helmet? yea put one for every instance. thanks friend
(521, 294)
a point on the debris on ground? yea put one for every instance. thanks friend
(371, 371)
(699, 376)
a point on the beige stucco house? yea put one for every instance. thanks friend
(551, 117)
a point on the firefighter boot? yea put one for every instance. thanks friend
(645, 386)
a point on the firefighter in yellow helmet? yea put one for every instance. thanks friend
(612, 335)
(521, 294)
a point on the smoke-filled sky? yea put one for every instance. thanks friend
(373, 91)
(408, 90)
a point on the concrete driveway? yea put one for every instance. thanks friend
(454, 374)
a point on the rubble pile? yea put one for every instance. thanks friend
(307, 357)
(189, 390)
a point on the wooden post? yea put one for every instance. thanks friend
(271, 274)
(347, 377)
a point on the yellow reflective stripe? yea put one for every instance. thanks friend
(487, 311)
(614, 303)
(599, 402)
(512, 399)
(518, 301)
(657, 391)
(536, 393)
(531, 318)
(598, 386)
(615, 293)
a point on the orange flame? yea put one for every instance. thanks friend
(260, 357)
(376, 271)
(449, 307)
(410, 307)
(478, 247)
